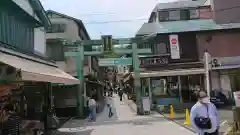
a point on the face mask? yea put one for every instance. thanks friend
(205, 100)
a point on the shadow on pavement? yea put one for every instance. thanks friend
(143, 120)
(77, 132)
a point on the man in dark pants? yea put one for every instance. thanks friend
(110, 113)
(120, 95)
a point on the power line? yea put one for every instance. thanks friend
(115, 21)
(96, 14)
(146, 19)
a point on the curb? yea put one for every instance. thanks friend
(177, 122)
(188, 128)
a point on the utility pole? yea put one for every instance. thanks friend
(79, 55)
(137, 84)
(80, 75)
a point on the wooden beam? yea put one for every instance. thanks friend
(74, 54)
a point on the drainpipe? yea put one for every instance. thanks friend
(207, 61)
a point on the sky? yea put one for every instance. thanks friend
(120, 18)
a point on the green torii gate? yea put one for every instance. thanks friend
(105, 47)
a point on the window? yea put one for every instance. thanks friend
(55, 52)
(163, 16)
(160, 48)
(185, 14)
(174, 15)
(57, 28)
(194, 13)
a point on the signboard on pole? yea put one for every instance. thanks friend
(174, 46)
(115, 61)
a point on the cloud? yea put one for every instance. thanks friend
(91, 12)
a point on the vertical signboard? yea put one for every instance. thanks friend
(107, 43)
(174, 46)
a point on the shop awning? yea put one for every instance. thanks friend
(36, 71)
(177, 72)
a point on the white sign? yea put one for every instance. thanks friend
(237, 98)
(146, 104)
(174, 46)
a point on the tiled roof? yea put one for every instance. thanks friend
(183, 26)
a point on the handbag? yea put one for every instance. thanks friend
(202, 122)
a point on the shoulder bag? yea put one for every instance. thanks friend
(202, 122)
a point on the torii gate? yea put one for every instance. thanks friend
(105, 47)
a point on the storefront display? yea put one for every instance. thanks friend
(159, 87)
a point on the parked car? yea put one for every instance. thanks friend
(218, 98)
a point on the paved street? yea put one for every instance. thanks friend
(226, 117)
(124, 122)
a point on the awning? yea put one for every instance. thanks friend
(36, 71)
(177, 72)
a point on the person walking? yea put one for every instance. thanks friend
(204, 115)
(92, 109)
(12, 121)
(109, 105)
(121, 95)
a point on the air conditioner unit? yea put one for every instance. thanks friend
(216, 63)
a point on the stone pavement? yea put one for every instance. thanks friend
(123, 122)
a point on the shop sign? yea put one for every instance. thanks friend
(174, 46)
(154, 61)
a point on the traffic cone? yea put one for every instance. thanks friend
(172, 114)
(187, 121)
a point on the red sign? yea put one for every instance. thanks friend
(174, 41)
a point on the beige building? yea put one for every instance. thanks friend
(65, 28)
(69, 28)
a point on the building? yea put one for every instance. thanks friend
(22, 39)
(64, 27)
(194, 26)
(23, 58)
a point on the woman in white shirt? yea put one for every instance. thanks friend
(92, 107)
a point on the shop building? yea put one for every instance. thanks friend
(180, 32)
(24, 64)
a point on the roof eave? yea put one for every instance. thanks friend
(38, 8)
(78, 21)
